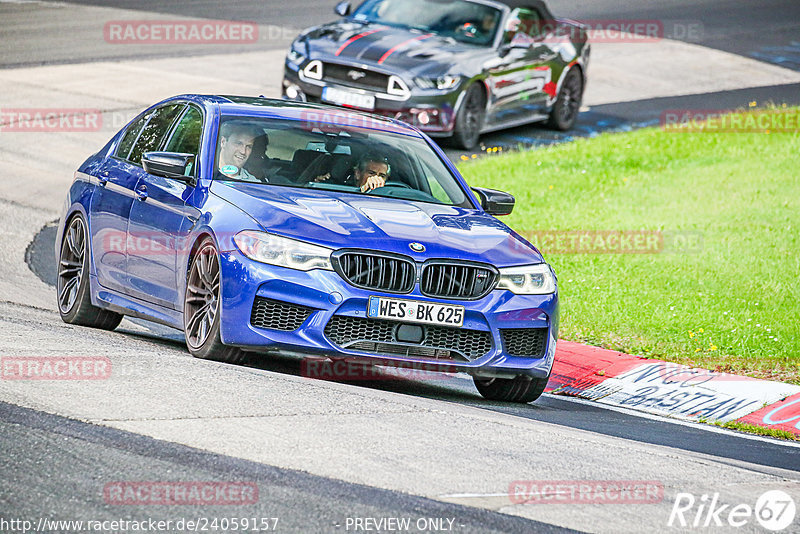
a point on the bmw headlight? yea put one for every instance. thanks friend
(442, 82)
(282, 251)
(528, 280)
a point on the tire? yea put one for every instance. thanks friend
(201, 308)
(72, 283)
(519, 389)
(568, 104)
(469, 119)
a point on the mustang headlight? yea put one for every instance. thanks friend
(442, 82)
(295, 56)
(528, 280)
(282, 251)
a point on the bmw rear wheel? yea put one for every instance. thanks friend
(568, 104)
(518, 389)
(201, 309)
(74, 301)
(469, 119)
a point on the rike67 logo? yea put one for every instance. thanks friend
(774, 510)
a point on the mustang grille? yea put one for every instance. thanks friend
(351, 76)
(457, 280)
(379, 336)
(525, 341)
(370, 270)
(277, 315)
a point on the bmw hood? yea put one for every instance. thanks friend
(395, 49)
(341, 220)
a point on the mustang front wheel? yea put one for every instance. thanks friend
(201, 309)
(568, 104)
(469, 119)
(519, 389)
(74, 301)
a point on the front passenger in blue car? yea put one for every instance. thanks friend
(235, 146)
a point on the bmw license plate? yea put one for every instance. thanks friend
(348, 98)
(414, 311)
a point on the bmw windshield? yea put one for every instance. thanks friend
(464, 21)
(326, 156)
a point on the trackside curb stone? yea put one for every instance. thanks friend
(672, 390)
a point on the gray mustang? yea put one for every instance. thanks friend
(452, 68)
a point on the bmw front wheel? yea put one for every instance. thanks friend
(201, 309)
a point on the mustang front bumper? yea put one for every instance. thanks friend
(431, 111)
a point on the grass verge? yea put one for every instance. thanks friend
(723, 291)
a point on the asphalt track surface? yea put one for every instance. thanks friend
(739, 26)
(33, 441)
(768, 30)
(78, 456)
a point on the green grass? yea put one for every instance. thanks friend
(733, 304)
(760, 430)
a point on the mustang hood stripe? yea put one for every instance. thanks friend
(393, 49)
(356, 38)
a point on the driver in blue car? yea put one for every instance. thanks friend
(370, 173)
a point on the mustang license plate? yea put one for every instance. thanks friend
(348, 98)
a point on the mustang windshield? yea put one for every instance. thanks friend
(326, 153)
(461, 20)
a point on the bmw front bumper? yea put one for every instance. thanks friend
(319, 302)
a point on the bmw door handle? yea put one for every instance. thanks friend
(141, 192)
(103, 178)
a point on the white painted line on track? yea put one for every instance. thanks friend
(698, 426)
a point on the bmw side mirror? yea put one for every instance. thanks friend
(495, 202)
(342, 9)
(175, 165)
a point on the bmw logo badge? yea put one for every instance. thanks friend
(417, 247)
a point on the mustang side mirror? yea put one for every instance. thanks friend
(342, 9)
(518, 45)
(495, 202)
(169, 165)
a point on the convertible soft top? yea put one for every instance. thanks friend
(538, 5)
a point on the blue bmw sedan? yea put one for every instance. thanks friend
(259, 225)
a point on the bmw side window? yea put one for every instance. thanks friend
(129, 137)
(153, 133)
(186, 136)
